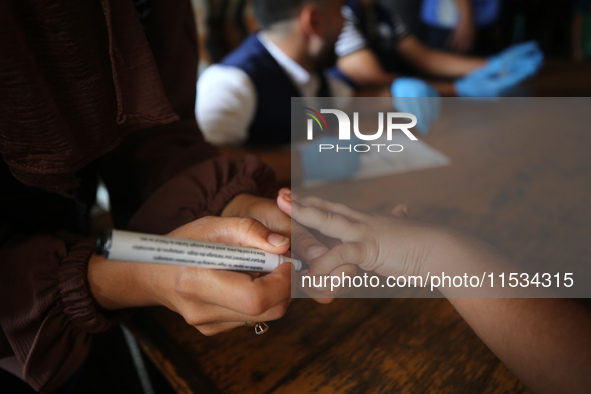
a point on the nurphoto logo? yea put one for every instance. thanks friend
(345, 129)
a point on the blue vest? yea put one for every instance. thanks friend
(271, 124)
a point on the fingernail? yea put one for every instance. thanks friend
(405, 210)
(287, 196)
(316, 251)
(277, 240)
(284, 191)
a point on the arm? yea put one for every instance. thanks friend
(437, 63)
(546, 342)
(49, 314)
(364, 68)
(361, 65)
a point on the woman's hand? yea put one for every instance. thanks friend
(211, 300)
(305, 246)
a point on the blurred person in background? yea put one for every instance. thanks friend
(245, 100)
(375, 41)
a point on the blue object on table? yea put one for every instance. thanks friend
(502, 71)
(445, 14)
(330, 164)
(417, 97)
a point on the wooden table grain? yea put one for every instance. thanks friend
(526, 193)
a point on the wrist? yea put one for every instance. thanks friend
(121, 284)
(459, 254)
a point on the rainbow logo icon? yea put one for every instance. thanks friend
(315, 115)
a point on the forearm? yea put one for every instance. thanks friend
(123, 284)
(448, 65)
(437, 63)
(545, 342)
(364, 68)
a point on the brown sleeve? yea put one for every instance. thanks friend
(201, 190)
(151, 159)
(165, 175)
(56, 314)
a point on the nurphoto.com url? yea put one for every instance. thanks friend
(433, 282)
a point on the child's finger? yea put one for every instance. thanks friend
(355, 253)
(328, 206)
(327, 223)
(304, 245)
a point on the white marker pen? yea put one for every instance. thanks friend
(160, 249)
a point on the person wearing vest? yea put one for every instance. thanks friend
(372, 37)
(245, 100)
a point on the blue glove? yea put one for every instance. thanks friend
(418, 98)
(328, 165)
(522, 51)
(502, 71)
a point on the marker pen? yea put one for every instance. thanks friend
(161, 249)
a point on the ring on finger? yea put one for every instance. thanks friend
(260, 327)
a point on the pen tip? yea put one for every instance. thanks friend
(297, 264)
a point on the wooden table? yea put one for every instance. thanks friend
(524, 192)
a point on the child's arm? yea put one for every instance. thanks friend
(545, 342)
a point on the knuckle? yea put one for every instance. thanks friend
(301, 236)
(255, 303)
(247, 225)
(188, 282)
(184, 284)
(311, 200)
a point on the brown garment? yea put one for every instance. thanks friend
(86, 91)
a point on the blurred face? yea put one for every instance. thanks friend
(329, 25)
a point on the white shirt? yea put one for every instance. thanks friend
(227, 99)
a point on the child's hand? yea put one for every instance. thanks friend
(386, 245)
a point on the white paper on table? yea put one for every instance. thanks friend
(416, 155)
